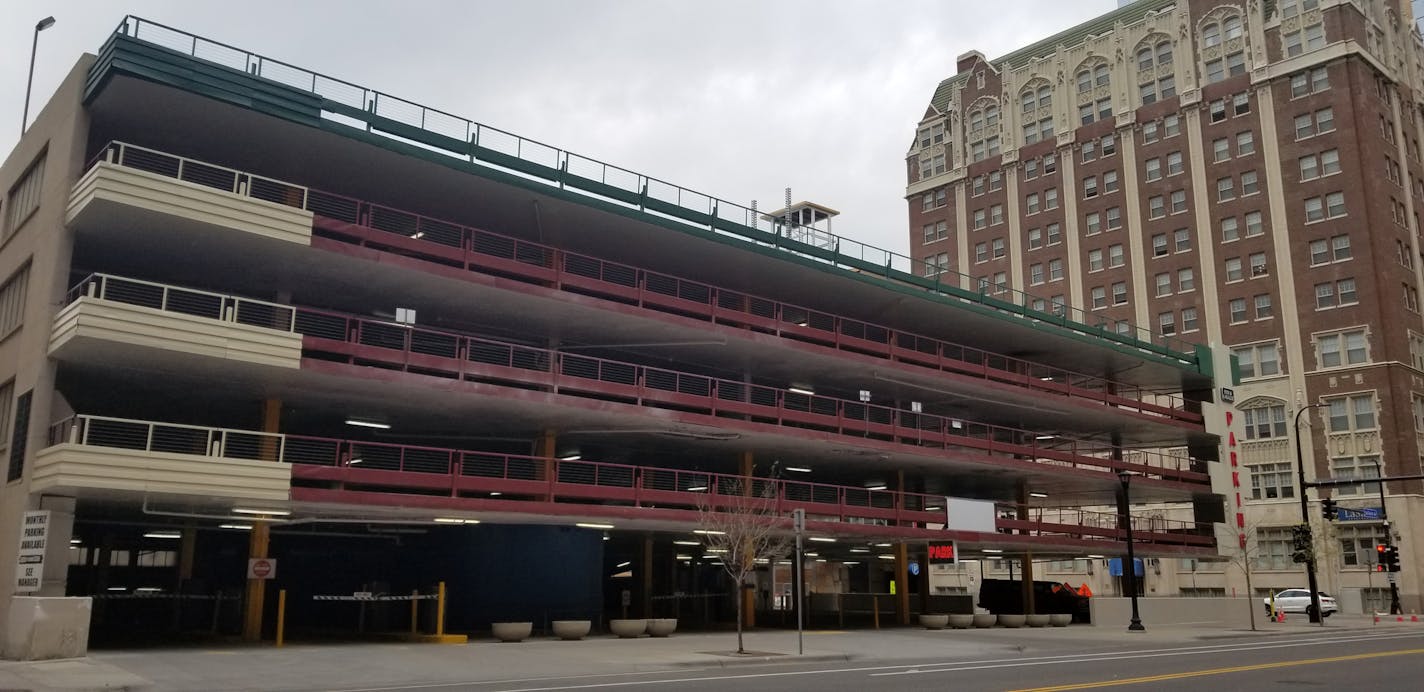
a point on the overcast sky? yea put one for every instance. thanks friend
(737, 99)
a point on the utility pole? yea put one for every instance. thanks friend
(1314, 613)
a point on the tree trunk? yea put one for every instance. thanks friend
(1250, 593)
(740, 648)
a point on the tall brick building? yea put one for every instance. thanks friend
(1238, 173)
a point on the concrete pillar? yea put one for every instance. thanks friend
(746, 468)
(546, 446)
(645, 570)
(902, 584)
(56, 559)
(1027, 561)
(259, 541)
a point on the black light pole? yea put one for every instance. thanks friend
(1394, 608)
(1314, 613)
(1131, 568)
(43, 24)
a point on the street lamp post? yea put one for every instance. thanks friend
(1394, 608)
(1314, 613)
(1131, 568)
(43, 24)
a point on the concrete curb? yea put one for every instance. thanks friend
(732, 662)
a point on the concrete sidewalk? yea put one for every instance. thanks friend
(369, 666)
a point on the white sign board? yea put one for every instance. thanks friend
(261, 568)
(34, 536)
(969, 515)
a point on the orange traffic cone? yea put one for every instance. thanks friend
(1280, 615)
(1413, 617)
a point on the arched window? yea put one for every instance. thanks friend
(1232, 27)
(1144, 58)
(1164, 53)
(1153, 54)
(982, 135)
(1100, 75)
(1211, 35)
(1036, 99)
(1085, 81)
(991, 116)
(1094, 76)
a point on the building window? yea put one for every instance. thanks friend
(1249, 185)
(1031, 203)
(1311, 124)
(1264, 308)
(1253, 224)
(1050, 198)
(1325, 251)
(1156, 207)
(1265, 422)
(1030, 169)
(1225, 189)
(1114, 218)
(1335, 293)
(1149, 132)
(12, 300)
(996, 180)
(1174, 163)
(24, 197)
(1258, 264)
(1035, 274)
(1159, 245)
(1099, 297)
(1245, 143)
(1220, 149)
(7, 400)
(1352, 413)
(1342, 348)
(981, 253)
(1237, 309)
(1358, 541)
(1153, 167)
(1179, 201)
(996, 214)
(1259, 360)
(998, 246)
(1271, 482)
(1189, 319)
(981, 219)
(1233, 269)
(1095, 260)
(1035, 238)
(1328, 207)
(1171, 125)
(1110, 181)
(1167, 323)
(1055, 269)
(934, 134)
(1090, 187)
(1229, 229)
(1182, 240)
(1055, 233)
(1115, 256)
(1164, 284)
(1119, 293)
(1304, 39)
(1186, 280)
(1093, 223)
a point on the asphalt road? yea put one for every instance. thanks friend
(1345, 661)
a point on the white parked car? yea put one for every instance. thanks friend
(1298, 601)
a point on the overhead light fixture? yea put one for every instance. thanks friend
(696, 488)
(1095, 557)
(237, 527)
(1040, 495)
(418, 235)
(623, 564)
(933, 508)
(495, 493)
(716, 550)
(75, 541)
(821, 539)
(455, 520)
(147, 589)
(163, 534)
(881, 545)
(584, 525)
(992, 551)
(821, 560)
(571, 456)
(916, 407)
(798, 469)
(860, 550)
(801, 389)
(684, 557)
(812, 554)
(686, 543)
(368, 424)
(886, 557)
(875, 486)
(847, 564)
(118, 588)
(354, 462)
(1042, 438)
(708, 532)
(864, 395)
(261, 512)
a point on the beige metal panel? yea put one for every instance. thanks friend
(91, 319)
(77, 468)
(107, 185)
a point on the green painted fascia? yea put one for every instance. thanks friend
(125, 55)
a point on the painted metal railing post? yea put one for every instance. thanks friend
(148, 440)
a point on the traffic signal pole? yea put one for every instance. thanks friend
(1314, 612)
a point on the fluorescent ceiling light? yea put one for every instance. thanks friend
(812, 554)
(1045, 437)
(583, 525)
(798, 469)
(801, 389)
(935, 508)
(850, 563)
(881, 545)
(163, 534)
(354, 462)
(368, 424)
(418, 235)
(875, 486)
(264, 512)
(147, 589)
(993, 550)
(239, 527)
(821, 560)
(455, 520)
(118, 588)
(1095, 557)
(496, 493)
(684, 557)
(571, 456)
(75, 541)
(860, 550)
(706, 532)
(821, 539)
(886, 557)
(1038, 494)
(686, 543)
(624, 564)
(716, 550)
(696, 488)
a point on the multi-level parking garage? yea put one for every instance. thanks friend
(271, 314)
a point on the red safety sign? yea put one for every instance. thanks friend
(261, 568)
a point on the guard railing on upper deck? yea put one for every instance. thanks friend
(587, 483)
(450, 354)
(466, 140)
(445, 242)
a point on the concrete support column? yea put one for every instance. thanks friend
(1026, 563)
(61, 529)
(646, 572)
(545, 447)
(902, 584)
(259, 541)
(746, 466)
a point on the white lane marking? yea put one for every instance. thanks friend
(438, 685)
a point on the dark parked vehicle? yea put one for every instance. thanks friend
(1006, 596)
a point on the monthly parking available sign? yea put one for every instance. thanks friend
(34, 534)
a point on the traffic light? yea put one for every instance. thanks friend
(1328, 509)
(1391, 559)
(1300, 543)
(1380, 558)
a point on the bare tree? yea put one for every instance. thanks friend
(1244, 558)
(741, 524)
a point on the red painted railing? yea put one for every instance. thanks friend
(349, 220)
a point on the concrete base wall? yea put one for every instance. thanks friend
(43, 628)
(1229, 613)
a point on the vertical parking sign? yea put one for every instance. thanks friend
(34, 534)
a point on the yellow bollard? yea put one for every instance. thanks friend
(281, 616)
(414, 605)
(440, 611)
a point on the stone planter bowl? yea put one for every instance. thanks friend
(1060, 619)
(662, 627)
(1037, 620)
(628, 629)
(1011, 620)
(572, 630)
(934, 622)
(511, 631)
(961, 621)
(984, 619)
